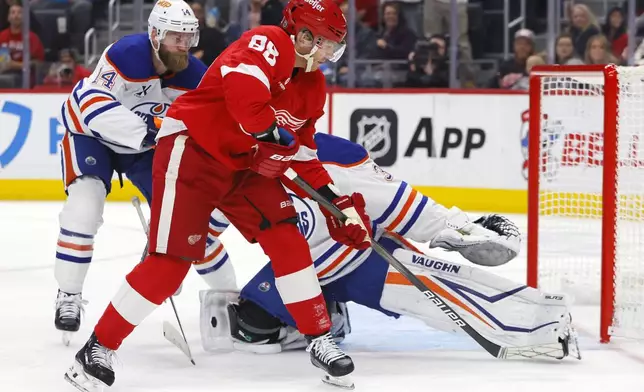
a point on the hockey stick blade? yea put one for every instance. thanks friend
(174, 337)
(494, 349)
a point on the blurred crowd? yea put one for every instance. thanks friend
(403, 43)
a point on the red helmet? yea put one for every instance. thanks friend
(323, 18)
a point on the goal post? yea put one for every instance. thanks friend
(586, 189)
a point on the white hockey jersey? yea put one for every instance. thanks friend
(112, 104)
(394, 207)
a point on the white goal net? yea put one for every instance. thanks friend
(590, 231)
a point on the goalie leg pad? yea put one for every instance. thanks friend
(506, 312)
(214, 323)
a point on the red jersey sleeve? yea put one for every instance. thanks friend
(263, 57)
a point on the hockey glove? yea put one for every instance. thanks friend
(356, 231)
(154, 124)
(274, 152)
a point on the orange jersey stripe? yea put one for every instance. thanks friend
(403, 241)
(213, 232)
(211, 256)
(70, 176)
(93, 101)
(69, 245)
(403, 212)
(77, 123)
(399, 279)
(337, 261)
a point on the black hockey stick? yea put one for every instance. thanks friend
(169, 332)
(494, 349)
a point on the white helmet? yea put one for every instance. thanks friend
(173, 15)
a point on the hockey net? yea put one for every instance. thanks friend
(586, 190)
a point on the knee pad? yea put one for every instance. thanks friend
(83, 210)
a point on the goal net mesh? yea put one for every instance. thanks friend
(570, 193)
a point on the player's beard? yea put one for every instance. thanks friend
(174, 62)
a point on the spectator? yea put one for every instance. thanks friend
(598, 51)
(565, 51)
(511, 70)
(615, 31)
(211, 40)
(523, 81)
(437, 17)
(365, 45)
(395, 40)
(428, 64)
(66, 71)
(11, 39)
(4, 15)
(584, 26)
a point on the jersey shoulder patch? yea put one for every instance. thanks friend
(189, 78)
(333, 149)
(131, 56)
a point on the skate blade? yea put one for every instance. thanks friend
(344, 382)
(82, 381)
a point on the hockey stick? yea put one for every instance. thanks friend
(494, 349)
(169, 332)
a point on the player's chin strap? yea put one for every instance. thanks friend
(307, 57)
(155, 49)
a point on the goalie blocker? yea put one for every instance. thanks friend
(530, 322)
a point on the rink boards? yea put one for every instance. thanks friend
(458, 147)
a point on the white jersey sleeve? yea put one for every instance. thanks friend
(113, 103)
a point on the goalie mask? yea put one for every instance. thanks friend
(323, 25)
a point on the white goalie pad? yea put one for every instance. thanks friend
(507, 313)
(214, 323)
(489, 241)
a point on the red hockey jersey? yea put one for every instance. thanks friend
(250, 86)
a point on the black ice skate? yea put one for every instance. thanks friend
(68, 314)
(326, 355)
(92, 369)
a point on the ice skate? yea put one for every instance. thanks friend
(326, 355)
(92, 368)
(68, 314)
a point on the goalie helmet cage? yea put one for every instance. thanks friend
(586, 190)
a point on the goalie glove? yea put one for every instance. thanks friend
(491, 240)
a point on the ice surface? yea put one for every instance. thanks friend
(390, 355)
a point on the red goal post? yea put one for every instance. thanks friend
(586, 189)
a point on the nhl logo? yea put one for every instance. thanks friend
(376, 130)
(373, 135)
(90, 160)
(264, 287)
